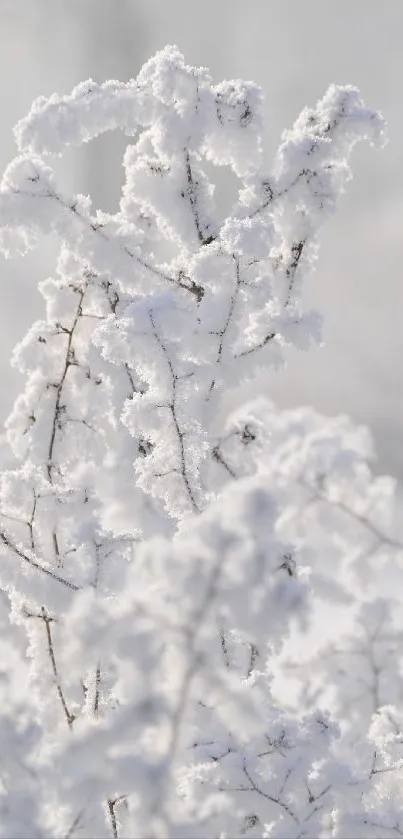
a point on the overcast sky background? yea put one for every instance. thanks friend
(294, 50)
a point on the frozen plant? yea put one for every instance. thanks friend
(153, 602)
(349, 523)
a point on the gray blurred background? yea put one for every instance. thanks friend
(294, 50)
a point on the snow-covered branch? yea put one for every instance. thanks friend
(159, 559)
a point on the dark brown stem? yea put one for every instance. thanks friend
(173, 411)
(112, 817)
(47, 621)
(97, 689)
(68, 362)
(223, 332)
(204, 238)
(34, 564)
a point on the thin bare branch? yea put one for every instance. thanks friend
(223, 332)
(172, 407)
(47, 621)
(34, 564)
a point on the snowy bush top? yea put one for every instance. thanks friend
(210, 299)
